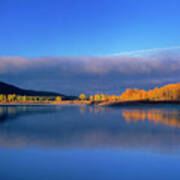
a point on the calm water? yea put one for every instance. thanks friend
(87, 143)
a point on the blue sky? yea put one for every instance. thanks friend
(91, 46)
(34, 28)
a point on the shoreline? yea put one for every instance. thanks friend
(98, 103)
(138, 102)
(68, 102)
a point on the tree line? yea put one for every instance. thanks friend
(170, 92)
(18, 98)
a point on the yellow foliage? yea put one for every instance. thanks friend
(82, 97)
(166, 93)
(58, 98)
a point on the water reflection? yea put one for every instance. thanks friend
(169, 118)
(14, 111)
(90, 127)
(93, 109)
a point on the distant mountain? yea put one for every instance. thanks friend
(10, 89)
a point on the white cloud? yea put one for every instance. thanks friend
(146, 52)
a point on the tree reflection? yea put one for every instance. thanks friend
(12, 112)
(170, 118)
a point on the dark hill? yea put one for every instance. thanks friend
(10, 89)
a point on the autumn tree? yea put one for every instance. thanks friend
(11, 97)
(82, 97)
(59, 98)
(91, 98)
(97, 97)
(2, 98)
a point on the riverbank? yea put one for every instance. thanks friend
(139, 102)
(96, 103)
(46, 102)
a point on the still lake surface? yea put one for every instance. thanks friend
(68, 142)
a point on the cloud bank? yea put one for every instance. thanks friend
(73, 75)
